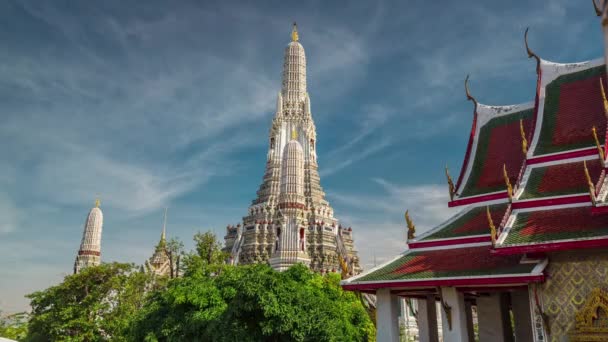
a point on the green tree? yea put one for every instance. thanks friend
(254, 303)
(94, 305)
(207, 257)
(14, 326)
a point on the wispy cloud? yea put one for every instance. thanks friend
(377, 219)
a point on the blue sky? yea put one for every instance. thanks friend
(158, 103)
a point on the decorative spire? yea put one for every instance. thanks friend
(294, 33)
(164, 233)
(530, 53)
(411, 228)
(524, 141)
(600, 150)
(451, 187)
(466, 89)
(507, 182)
(604, 98)
(589, 183)
(491, 225)
(294, 134)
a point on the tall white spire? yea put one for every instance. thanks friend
(294, 70)
(292, 172)
(89, 253)
(290, 220)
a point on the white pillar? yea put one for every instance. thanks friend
(427, 320)
(387, 316)
(493, 318)
(459, 331)
(520, 303)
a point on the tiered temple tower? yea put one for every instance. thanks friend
(290, 221)
(160, 263)
(90, 247)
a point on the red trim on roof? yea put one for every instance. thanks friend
(543, 202)
(450, 242)
(483, 198)
(551, 246)
(565, 155)
(448, 282)
(491, 289)
(599, 210)
(467, 155)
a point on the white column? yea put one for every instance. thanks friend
(427, 320)
(493, 318)
(387, 316)
(520, 303)
(458, 332)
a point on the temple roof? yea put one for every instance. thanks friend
(553, 228)
(569, 105)
(558, 178)
(495, 141)
(467, 265)
(471, 221)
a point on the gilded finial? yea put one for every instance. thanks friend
(294, 33)
(600, 150)
(491, 225)
(97, 203)
(507, 181)
(530, 52)
(604, 97)
(524, 141)
(294, 134)
(451, 187)
(598, 11)
(589, 183)
(466, 89)
(411, 228)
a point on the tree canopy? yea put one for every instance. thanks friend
(94, 305)
(254, 303)
(210, 301)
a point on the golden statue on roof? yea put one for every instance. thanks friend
(411, 228)
(294, 33)
(507, 181)
(491, 225)
(604, 98)
(524, 141)
(589, 183)
(97, 203)
(600, 150)
(451, 186)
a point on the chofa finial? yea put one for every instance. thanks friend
(294, 33)
(493, 233)
(451, 187)
(598, 11)
(507, 182)
(524, 141)
(589, 182)
(530, 52)
(604, 98)
(466, 89)
(411, 228)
